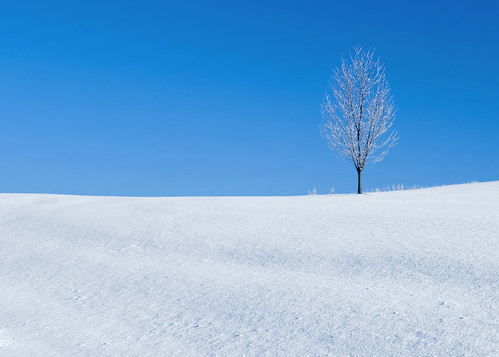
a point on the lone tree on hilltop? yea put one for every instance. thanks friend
(359, 111)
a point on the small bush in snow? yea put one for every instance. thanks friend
(313, 192)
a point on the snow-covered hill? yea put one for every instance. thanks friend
(395, 273)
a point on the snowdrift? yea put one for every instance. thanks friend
(392, 273)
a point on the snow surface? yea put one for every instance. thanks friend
(391, 273)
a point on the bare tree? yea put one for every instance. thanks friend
(359, 112)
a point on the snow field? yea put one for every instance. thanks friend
(392, 273)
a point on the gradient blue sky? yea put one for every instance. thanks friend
(156, 98)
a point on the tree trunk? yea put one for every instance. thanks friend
(359, 182)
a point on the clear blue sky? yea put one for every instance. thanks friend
(158, 98)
